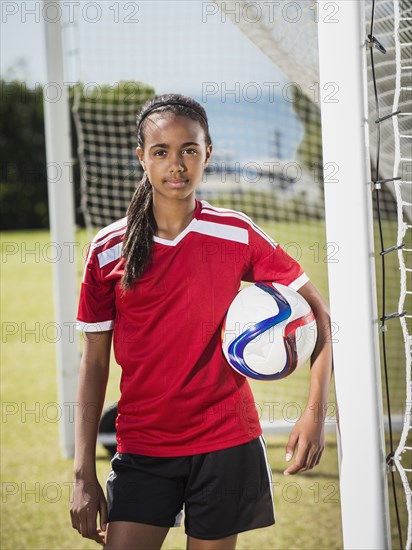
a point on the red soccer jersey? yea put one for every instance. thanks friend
(178, 394)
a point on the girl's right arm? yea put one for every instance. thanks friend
(88, 498)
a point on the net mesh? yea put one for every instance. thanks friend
(265, 120)
(254, 67)
(105, 118)
(393, 69)
(264, 123)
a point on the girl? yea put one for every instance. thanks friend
(187, 428)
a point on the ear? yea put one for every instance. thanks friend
(208, 154)
(140, 156)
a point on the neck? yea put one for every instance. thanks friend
(173, 218)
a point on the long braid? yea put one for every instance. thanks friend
(141, 224)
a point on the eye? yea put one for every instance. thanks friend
(190, 151)
(159, 153)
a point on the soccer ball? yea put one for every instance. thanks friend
(268, 332)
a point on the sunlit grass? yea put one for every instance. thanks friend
(36, 480)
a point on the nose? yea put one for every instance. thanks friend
(176, 163)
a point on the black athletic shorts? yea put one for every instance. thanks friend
(223, 492)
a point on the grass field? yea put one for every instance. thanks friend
(36, 480)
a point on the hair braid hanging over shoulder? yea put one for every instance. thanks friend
(141, 224)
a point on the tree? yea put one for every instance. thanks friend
(23, 189)
(23, 174)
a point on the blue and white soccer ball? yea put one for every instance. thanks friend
(268, 332)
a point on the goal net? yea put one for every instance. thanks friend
(390, 99)
(254, 67)
(264, 123)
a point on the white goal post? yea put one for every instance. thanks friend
(62, 229)
(352, 285)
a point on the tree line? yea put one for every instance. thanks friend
(23, 166)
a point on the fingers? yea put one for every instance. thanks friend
(299, 464)
(84, 509)
(102, 536)
(103, 514)
(307, 441)
(307, 457)
(317, 457)
(291, 445)
(85, 524)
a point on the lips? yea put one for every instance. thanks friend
(176, 182)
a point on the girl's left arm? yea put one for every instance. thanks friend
(307, 437)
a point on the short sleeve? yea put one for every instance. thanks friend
(267, 261)
(96, 311)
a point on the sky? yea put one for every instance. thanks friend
(172, 45)
(183, 46)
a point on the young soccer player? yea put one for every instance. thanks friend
(161, 281)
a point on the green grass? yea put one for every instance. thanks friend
(36, 480)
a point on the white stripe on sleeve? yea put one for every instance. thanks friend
(94, 327)
(299, 282)
(109, 255)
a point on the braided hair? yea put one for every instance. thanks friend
(141, 224)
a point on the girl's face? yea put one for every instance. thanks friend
(174, 156)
